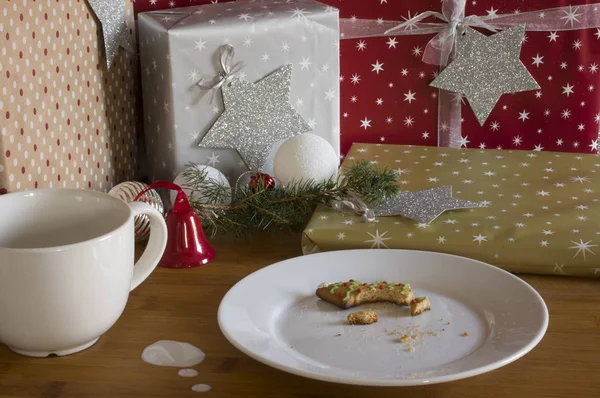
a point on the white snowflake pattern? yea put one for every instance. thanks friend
(568, 90)
(580, 179)
(524, 115)
(492, 13)
(479, 239)
(366, 123)
(517, 140)
(537, 60)
(571, 16)
(377, 67)
(410, 97)
(213, 159)
(378, 240)
(582, 247)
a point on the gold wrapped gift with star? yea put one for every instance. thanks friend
(525, 212)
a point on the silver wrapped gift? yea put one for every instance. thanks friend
(182, 55)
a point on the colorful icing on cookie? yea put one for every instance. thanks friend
(352, 293)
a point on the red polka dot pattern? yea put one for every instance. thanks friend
(65, 119)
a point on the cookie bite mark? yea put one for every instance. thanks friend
(419, 305)
(362, 318)
(353, 293)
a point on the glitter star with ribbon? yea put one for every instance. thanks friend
(111, 15)
(423, 206)
(256, 116)
(486, 67)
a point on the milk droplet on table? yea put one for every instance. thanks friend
(201, 388)
(187, 373)
(173, 353)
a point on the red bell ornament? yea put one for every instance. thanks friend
(187, 245)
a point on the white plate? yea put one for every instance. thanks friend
(274, 317)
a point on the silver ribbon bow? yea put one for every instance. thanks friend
(439, 49)
(229, 71)
(353, 204)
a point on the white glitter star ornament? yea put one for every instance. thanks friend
(486, 67)
(256, 116)
(423, 206)
(111, 15)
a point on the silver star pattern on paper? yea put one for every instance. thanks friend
(486, 67)
(111, 14)
(423, 206)
(256, 116)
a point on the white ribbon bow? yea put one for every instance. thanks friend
(229, 71)
(440, 48)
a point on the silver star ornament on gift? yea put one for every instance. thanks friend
(486, 67)
(256, 116)
(111, 15)
(423, 206)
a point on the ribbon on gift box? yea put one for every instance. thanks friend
(229, 71)
(453, 21)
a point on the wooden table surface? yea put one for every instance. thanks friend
(182, 305)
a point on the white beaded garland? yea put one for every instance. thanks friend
(197, 195)
(305, 157)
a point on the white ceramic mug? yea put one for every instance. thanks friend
(67, 267)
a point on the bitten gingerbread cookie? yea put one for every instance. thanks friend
(362, 318)
(419, 305)
(352, 293)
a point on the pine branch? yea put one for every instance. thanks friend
(281, 207)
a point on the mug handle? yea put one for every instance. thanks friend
(156, 244)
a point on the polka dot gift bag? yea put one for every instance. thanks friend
(67, 118)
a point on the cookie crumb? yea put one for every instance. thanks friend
(405, 338)
(419, 305)
(465, 334)
(362, 318)
(410, 348)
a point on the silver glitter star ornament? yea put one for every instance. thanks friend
(256, 116)
(423, 206)
(486, 67)
(111, 14)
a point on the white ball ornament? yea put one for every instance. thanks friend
(197, 195)
(305, 157)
